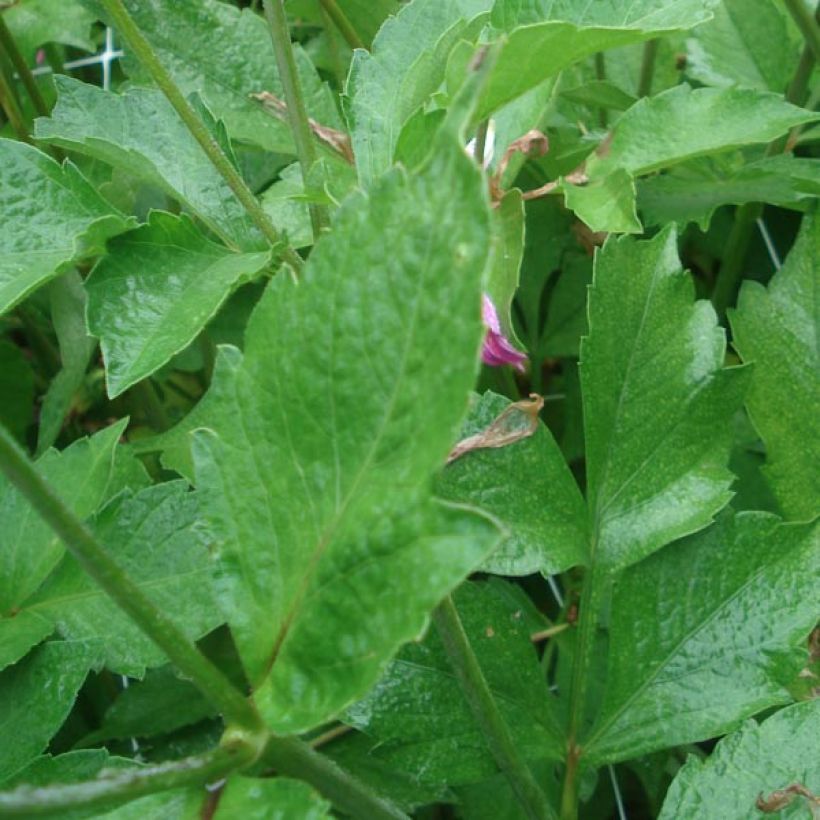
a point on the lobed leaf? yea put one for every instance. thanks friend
(155, 291)
(52, 217)
(657, 403)
(689, 660)
(777, 329)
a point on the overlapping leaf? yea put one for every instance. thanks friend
(657, 405)
(417, 719)
(35, 23)
(666, 129)
(526, 485)
(226, 55)
(325, 437)
(403, 68)
(154, 536)
(155, 291)
(141, 133)
(689, 661)
(753, 763)
(51, 217)
(777, 329)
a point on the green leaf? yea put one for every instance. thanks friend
(528, 487)
(155, 291)
(508, 251)
(600, 94)
(155, 536)
(777, 328)
(657, 405)
(29, 548)
(278, 798)
(349, 426)
(19, 634)
(71, 767)
(606, 203)
(417, 718)
(404, 67)
(52, 216)
(68, 302)
(555, 34)
(34, 23)
(688, 661)
(756, 760)
(675, 119)
(158, 704)
(185, 36)
(567, 311)
(140, 132)
(692, 192)
(17, 390)
(178, 804)
(36, 696)
(747, 43)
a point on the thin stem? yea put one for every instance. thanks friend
(98, 563)
(600, 74)
(734, 255)
(807, 23)
(124, 785)
(54, 58)
(584, 646)
(485, 710)
(650, 52)
(11, 108)
(297, 113)
(480, 145)
(23, 72)
(295, 758)
(333, 45)
(143, 51)
(342, 23)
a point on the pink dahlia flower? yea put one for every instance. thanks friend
(497, 349)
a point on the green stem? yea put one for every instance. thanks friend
(295, 758)
(600, 74)
(125, 784)
(807, 23)
(297, 113)
(333, 45)
(23, 72)
(11, 108)
(480, 145)
(650, 52)
(97, 562)
(485, 710)
(139, 45)
(54, 58)
(734, 255)
(584, 646)
(342, 23)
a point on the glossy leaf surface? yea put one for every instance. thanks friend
(270, 799)
(657, 403)
(349, 426)
(759, 759)
(777, 329)
(155, 291)
(690, 661)
(51, 216)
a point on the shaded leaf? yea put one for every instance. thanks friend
(657, 405)
(34, 23)
(567, 311)
(140, 132)
(757, 760)
(155, 291)
(777, 329)
(29, 548)
(690, 661)
(52, 216)
(154, 535)
(349, 426)
(36, 696)
(417, 718)
(19, 633)
(17, 390)
(529, 488)
(270, 799)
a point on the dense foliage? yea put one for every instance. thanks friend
(275, 543)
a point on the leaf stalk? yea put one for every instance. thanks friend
(144, 52)
(807, 23)
(485, 710)
(22, 69)
(297, 113)
(650, 53)
(342, 23)
(96, 561)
